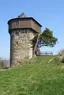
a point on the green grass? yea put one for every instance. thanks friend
(38, 77)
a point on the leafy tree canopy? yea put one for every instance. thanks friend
(45, 38)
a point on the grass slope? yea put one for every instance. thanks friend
(40, 77)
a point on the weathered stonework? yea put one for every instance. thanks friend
(21, 46)
(22, 30)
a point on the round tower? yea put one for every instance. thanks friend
(22, 29)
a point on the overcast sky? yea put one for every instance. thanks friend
(49, 13)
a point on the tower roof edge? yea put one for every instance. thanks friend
(25, 18)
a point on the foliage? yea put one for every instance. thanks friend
(61, 53)
(37, 78)
(2, 64)
(34, 40)
(62, 60)
(61, 56)
(46, 38)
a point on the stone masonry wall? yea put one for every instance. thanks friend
(20, 45)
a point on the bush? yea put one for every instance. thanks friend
(2, 64)
(62, 60)
(61, 56)
(61, 53)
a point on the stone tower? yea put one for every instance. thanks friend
(22, 29)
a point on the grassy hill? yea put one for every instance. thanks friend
(41, 76)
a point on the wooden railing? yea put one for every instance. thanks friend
(46, 53)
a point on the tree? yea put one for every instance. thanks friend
(45, 38)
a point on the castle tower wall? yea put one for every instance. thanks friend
(21, 46)
(22, 31)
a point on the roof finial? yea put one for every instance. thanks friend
(22, 15)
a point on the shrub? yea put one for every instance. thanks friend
(62, 60)
(3, 64)
(61, 53)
